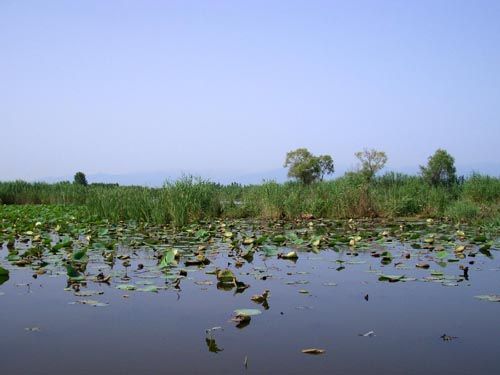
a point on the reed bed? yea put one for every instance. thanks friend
(191, 199)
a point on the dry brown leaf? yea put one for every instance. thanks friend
(313, 351)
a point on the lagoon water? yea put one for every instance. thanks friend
(327, 299)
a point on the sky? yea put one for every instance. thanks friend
(227, 88)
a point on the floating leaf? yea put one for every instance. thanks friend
(390, 278)
(73, 274)
(168, 258)
(489, 297)
(422, 265)
(80, 256)
(88, 293)
(316, 240)
(226, 276)
(261, 298)
(91, 302)
(247, 312)
(212, 345)
(279, 239)
(290, 255)
(3, 279)
(241, 320)
(149, 288)
(270, 250)
(126, 287)
(442, 254)
(313, 351)
(368, 334)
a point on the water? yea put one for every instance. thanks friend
(165, 332)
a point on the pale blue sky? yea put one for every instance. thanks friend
(228, 87)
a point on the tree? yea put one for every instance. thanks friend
(80, 179)
(306, 167)
(440, 169)
(371, 161)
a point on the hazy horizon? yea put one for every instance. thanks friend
(227, 88)
(158, 178)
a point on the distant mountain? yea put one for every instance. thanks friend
(156, 179)
(491, 169)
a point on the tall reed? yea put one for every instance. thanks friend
(191, 199)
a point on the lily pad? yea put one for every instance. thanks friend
(290, 255)
(489, 297)
(168, 258)
(126, 287)
(314, 351)
(4, 272)
(226, 276)
(391, 278)
(247, 312)
(149, 288)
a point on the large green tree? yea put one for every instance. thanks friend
(440, 169)
(307, 168)
(371, 162)
(80, 179)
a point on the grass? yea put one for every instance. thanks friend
(191, 199)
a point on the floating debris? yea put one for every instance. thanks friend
(313, 351)
(367, 334)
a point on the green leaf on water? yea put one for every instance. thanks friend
(202, 234)
(269, 250)
(226, 276)
(442, 254)
(3, 271)
(80, 256)
(3, 279)
(316, 240)
(279, 239)
(485, 250)
(64, 243)
(168, 258)
(13, 257)
(73, 274)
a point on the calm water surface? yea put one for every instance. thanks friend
(165, 332)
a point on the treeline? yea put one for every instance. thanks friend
(189, 199)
